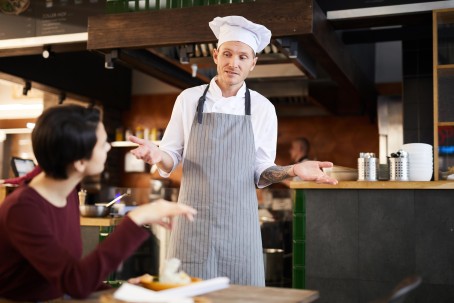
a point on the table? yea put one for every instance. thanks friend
(238, 293)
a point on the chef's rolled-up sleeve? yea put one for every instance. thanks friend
(265, 134)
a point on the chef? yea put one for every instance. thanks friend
(225, 135)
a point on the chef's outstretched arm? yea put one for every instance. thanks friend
(307, 171)
(151, 154)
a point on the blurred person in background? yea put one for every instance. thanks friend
(299, 150)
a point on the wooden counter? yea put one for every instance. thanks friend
(234, 294)
(107, 221)
(6, 189)
(375, 185)
(356, 240)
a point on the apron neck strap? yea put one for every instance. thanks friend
(247, 105)
(200, 105)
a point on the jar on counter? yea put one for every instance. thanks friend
(367, 167)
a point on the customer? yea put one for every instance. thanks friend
(40, 240)
(299, 152)
(225, 135)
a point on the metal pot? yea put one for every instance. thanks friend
(273, 259)
(99, 210)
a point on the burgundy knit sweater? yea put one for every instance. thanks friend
(41, 249)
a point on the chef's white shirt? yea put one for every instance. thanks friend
(263, 118)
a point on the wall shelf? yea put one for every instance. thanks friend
(443, 75)
(128, 143)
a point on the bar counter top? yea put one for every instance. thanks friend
(375, 185)
(107, 221)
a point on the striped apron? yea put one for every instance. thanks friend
(218, 181)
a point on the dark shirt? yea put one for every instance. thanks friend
(41, 249)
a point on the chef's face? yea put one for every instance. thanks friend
(234, 60)
(95, 164)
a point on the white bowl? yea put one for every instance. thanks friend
(409, 147)
(422, 177)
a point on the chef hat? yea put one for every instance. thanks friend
(237, 28)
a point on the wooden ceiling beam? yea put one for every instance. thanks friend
(300, 20)
(190, 25)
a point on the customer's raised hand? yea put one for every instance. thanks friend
(161, 212)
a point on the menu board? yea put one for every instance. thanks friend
(26, 18)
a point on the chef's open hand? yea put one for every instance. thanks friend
(161, 212)
(146, 151)
(312, 171)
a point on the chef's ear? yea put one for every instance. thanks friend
(253, 65)
(215, 55)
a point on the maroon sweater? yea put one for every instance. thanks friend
(41, 249)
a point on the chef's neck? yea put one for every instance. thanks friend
(229, 90)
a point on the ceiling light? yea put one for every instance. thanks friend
(185, 52)
(194, 68)
(21, 107)
(46, 51)
(27, 87)
(109, 59)
(61, 98)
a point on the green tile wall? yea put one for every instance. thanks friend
(299, 240)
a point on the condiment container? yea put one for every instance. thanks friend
(367, 167)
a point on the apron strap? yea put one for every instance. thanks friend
(200, 105)
(247, 105)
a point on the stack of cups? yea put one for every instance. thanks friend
(420, 160)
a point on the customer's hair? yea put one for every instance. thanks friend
(64, 134)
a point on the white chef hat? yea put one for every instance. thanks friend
(237, 28)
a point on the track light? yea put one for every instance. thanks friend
(194, 68)
(27, 87)
(61, 98)
(46, 51)
(109, 59)
(290, 45)
(185, 52)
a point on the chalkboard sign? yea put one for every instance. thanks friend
(26, 18)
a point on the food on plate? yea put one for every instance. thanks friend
(169, 277)
(170, 274)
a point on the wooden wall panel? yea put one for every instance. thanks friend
(335, 139)
(150, 111)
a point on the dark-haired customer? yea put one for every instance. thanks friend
(40, 240)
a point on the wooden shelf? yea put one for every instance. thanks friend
(128, 143)
(445, 123)
(107, 221)
(442, 76)
(445, 66)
